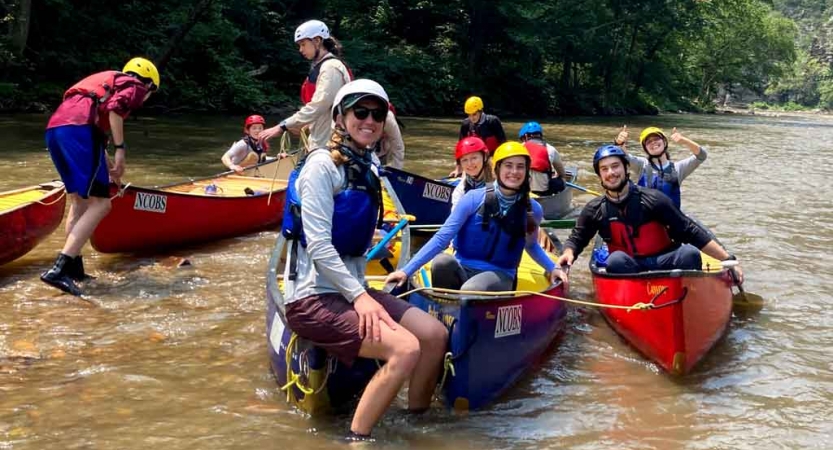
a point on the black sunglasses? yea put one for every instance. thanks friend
(378, 114)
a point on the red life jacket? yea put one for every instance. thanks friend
(98, 86)
(540, 156)
(308, 87)
(630, 233)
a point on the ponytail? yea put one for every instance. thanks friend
(333, 46)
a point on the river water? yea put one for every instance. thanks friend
(176, 358)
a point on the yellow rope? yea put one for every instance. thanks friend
(448, 366)
(294, 379)
(305, 139)
(120, 192)
(635, 306)
(284, 148)
(60, 197)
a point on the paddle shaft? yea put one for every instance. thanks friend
(582, 189)
(375, 250)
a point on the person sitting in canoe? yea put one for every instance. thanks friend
(545, 161)
(76, 137)
(335, 201)
(657, 170)
(248, 151)
(326, 76)
(491, 227)
(472, 155)
(479, 124)
(642, 227)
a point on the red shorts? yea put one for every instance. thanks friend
(331, 322)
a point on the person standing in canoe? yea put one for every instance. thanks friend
(657, 171)
(491, 227)
(338, 192)
(472, 155)
(249, 150)
(545, 161)
(76, 137)
(642, 228)
(487, 127)
(326, 76)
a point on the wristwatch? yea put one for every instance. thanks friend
(731, 257)
(122, 145)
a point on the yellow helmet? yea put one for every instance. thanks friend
(648, 132)
(473, 104)
(509, 149)
(143, 68)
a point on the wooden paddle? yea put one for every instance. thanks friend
(743, 301)
(582, 189)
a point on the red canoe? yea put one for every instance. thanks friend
(27, 216)
(226, 205)
(692, 312)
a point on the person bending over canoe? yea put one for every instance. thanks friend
(248, 151)
(491, 227)
(326, 76)
(479, 124)
(76, 138)
(642, 227)
(545, 161)
(657, 171)
(472, 155)
(331, 306)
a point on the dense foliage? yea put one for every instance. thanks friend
(530, 57)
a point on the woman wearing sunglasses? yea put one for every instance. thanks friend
(336, 197)
(326, 76)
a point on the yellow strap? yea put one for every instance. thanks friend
(635, 306)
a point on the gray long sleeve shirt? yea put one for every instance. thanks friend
(320, 268)
(684, 167)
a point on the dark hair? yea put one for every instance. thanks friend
(333, 46)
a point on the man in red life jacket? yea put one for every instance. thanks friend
(76, 138)
(642, 227)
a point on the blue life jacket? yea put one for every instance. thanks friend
(488, 236)
(666, 181)
(356, 211)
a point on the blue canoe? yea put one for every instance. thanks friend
(314, 381)
(493, 339)
(430, 200)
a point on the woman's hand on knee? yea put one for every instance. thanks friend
(371, 314)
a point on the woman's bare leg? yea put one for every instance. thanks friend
(433, 341)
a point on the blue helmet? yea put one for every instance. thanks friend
(606, 151)
(530, 128)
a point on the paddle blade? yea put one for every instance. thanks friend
(746, 302)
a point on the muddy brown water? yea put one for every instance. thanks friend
(159, 356)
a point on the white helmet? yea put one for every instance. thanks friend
(352, 92)
(311, 29)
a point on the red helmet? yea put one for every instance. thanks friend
(253, 119)
(470, 145)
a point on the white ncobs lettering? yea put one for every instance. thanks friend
(437, 192)
(509, 320)
(151, 202)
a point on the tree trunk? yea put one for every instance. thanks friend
(20, 29)
(197, 13)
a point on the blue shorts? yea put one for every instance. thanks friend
(78, 153)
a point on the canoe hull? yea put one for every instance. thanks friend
(426, 199)
(493, 341)
(561, 204)
(24, 227)
(694, 309)
(145, 219)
